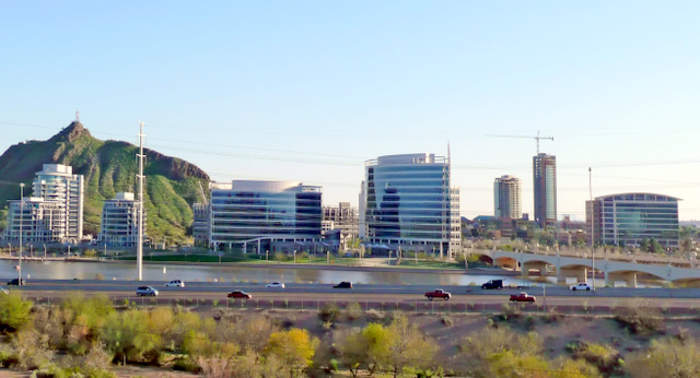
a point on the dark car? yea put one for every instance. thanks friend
(15, 282)
(343, 285)
(239, 294)
(493, 284)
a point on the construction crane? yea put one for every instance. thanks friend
(537, 138)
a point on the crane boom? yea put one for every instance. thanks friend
(537, 138)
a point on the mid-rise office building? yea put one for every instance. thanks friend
(506, 197)
(120, 221)
(40, 221)
(409, 203)
(56, 182)
(629, 218)
(544, 172)
(200, 225)
(265, 215)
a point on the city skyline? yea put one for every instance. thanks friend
(312, 91)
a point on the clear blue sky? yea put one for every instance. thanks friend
(309, 90)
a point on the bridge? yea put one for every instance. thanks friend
(567, 266)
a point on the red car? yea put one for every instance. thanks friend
(239, 294)
(438, 293)
(522, 297)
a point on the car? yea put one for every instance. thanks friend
(15, 282)
(175, 283)
(343, 285)
(581, 286)
(493, 284)
(239, 294)
(146, 291)
(4, 291)
(279, 285)
(438, 293)
(522, 297)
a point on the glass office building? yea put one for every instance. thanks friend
(408, 202)
(261, 213)
(629, 218)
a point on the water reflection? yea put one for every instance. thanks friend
(229, 273)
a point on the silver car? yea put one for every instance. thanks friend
(146, 291)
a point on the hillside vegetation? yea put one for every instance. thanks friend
(109, 167)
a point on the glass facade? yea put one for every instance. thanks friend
(544, 172)
(630, 218)
(281, 212)
(408, 201)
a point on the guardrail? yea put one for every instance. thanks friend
(436, 307)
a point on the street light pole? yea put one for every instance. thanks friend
(21, 221)
(590, 194)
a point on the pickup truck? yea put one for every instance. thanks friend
(438, 293)
(522, 297)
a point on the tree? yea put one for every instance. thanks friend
(368, 347)
(14, 312)
(409, 347)
(295, 348)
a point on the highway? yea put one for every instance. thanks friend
(686, 298)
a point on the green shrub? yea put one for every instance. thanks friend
(128, 337)
(15, 312)
(605, 358)
(640, 318)
(329, 312)
(667, 357)
(353, 311)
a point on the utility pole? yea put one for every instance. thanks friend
(590, 195)
(21, 221)
(139, 244)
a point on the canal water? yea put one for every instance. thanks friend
(233, 273)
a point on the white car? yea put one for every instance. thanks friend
(175, 283)
(146, 291)
(279, 285)
(581, 286)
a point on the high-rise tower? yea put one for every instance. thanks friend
(506, 197)
(544, 172)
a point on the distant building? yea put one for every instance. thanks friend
(343, 217)
(120, 221)
(265, 215)
(362, 223)
(629, 218)
(56, 182)
(409, 203)
(200, 225)
(506, 197)
(544, 171)
(43, 222)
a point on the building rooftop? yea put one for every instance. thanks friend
(266, 186)
(407, 159)
(638, 196)
(56, 169)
